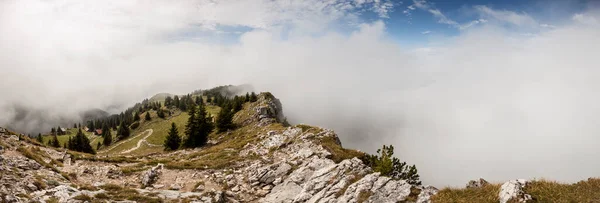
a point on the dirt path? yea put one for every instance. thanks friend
(139, 144)
(131, 138)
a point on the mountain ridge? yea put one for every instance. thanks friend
(263, 160)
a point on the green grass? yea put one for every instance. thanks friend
(62, 139)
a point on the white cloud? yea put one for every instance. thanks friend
(506, 105)
(585, 19)
(426, 32)
(547, 26)
(441, 17)
(519, 19)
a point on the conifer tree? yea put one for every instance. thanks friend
(176, 101)
(147, 118)
(40, 139)
(54, 142)
(81, 143)
(59, 131)
(247, 97)
(107, 138)
(198, 127)
(136, 116)
(74, 125)
(208, 99)
(253, 97)
(123, 131)
(160, 113)
(173, 141)
(224, 120)
(105, 129)
(388, 165)
(53, 131)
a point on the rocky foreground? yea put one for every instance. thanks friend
(273, 164)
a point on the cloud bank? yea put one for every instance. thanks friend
(488, 102)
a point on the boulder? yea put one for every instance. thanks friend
(151, 175)
(477, 183)
(426, 193)
(513, 191)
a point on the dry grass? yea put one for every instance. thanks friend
(488, 193)
(338, 153)
(363, 196)
(551, 191)
(115, 192)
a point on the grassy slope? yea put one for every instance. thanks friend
(161, 129)
(540, 190)
(62, 139)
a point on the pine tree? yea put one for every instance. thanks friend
(59, 131)
(173, 141)
(253, 97)
(123, 131)
(225, 119)
(54, 142)
(91, 126)
(40, 139)
(74, 125)
(107, 138)
(53, 131)
(388, 165)
(81, 143)
(208, 99)
(199, 100)
(176, 101)
(247, 97)
(160, 113)
(136, 116)
(147, 118)
(198, 127)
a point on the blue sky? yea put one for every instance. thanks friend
(410, 29)
(411, 23)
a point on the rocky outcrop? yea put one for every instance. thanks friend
(151, 175)
(477, 183)
(513, 191)
(279, 164)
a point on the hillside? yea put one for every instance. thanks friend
(262, 160)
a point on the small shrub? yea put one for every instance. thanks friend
(83, 197)
(101, 196)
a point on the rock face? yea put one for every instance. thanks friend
(513, 190)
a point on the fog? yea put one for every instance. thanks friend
(491, 102)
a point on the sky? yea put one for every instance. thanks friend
(463, 89)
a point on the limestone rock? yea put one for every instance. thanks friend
(151, 175)
(477, 183)
(513, 190)
(426, 193)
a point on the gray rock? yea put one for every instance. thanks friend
(477, 183)
(67, 159)
(151, 175)
(513, 190)
(426, 193)
(175, 187)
